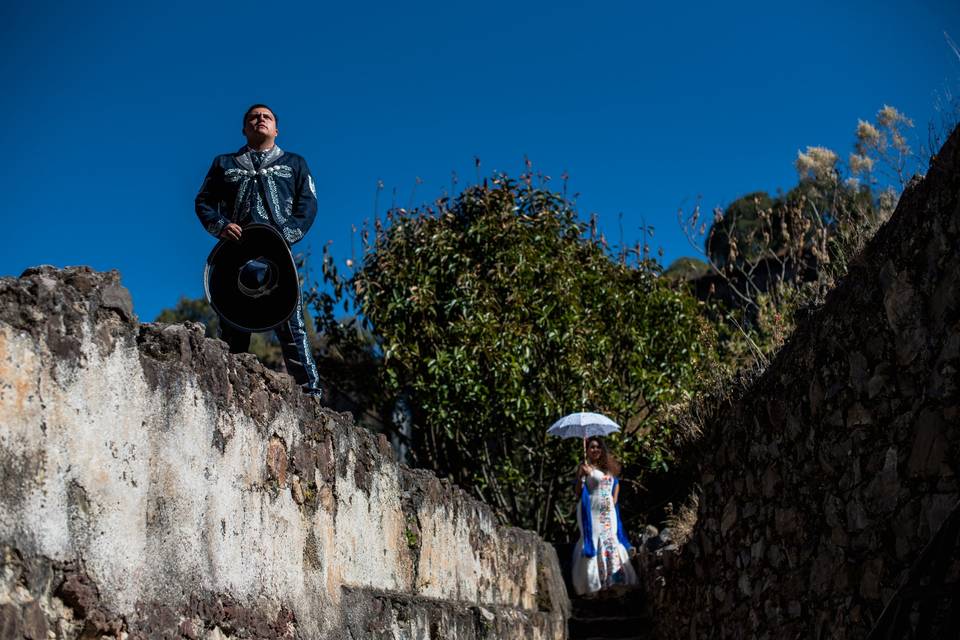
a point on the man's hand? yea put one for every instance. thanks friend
(231, 232)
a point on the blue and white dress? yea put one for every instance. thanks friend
(601, 558)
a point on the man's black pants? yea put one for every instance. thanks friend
(297, 355)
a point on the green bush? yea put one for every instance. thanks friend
(495, 316)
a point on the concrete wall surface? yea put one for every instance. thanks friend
(154, 486)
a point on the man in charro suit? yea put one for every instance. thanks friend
(262, 183)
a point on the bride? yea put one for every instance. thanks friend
(600, 558)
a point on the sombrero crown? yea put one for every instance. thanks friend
(252, 283)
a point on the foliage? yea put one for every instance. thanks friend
(686, 268)
(733, 234)
(772, 255)
(495, 316)
(191, 310)
(946, 105)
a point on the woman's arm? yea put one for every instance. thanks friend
(616, 492)
(582, 471)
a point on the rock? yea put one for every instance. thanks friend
(858, 370)
(216, 634)
(325, 498)
(34, 622)
(729, 517)
(117, 298)
(794, 609)
(277, 460)
(79, 593)
(187, 630)
(296, 490)
(771, 482)
(11, 626)
(899, 297)
(870, 580)
(883, 491)
(929, 445)
(856, 515)
(858, 416)
(785, 521)
(815, 396)
(825, 565)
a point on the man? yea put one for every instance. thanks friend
(263, 184)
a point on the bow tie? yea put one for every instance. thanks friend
(257, 158)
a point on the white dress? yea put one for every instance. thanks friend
(610, 563)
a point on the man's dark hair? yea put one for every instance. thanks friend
(276, 120)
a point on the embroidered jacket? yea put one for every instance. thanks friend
(279, 192)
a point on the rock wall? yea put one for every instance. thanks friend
(154, 486)
(820, 483)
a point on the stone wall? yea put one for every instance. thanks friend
(152, 485)
(820, 483)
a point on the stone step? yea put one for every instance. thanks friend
(619, 613)
(608, 627)
(644, 633)
(608, 609)
(632, 603)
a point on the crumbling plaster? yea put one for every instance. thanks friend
(171, 476)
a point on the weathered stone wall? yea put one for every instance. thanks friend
(152, 485)
(821, 482)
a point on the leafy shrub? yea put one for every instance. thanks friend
(495, 315)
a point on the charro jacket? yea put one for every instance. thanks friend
(280, 192)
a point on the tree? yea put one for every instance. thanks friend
(771, 255)
(686, 268)
(495, 315)
(191, 310)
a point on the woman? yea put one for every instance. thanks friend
(601, 558)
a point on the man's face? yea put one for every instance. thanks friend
(260, 124)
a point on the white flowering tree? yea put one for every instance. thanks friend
(883, 146)
(768, 256)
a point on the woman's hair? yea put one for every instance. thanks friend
(608, 461)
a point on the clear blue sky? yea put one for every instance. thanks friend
(114, 111)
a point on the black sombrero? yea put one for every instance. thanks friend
(252, 283)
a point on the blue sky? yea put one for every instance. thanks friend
(114, 110)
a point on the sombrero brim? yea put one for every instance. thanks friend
(238, 309)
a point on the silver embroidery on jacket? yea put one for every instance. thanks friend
(259, 213)
(245, 161)
(287, 210)
(291, 234)
(253, 205)
(241, 206)
(271, 156)
(216, 227)
(280, 171)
